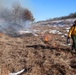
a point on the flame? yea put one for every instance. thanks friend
(46, 38)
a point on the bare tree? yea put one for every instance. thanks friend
(20, 14)
(17, 14)
(27, 15)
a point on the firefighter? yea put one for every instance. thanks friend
(72, 34)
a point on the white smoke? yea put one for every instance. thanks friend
(6, 3)
(10, 22)
(14, 29)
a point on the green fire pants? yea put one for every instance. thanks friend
(74, 42)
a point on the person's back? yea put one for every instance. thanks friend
(72, 30)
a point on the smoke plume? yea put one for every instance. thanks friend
(15, 19)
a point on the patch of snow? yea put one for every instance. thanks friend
(54, 26)
(35, 34)
(65, 34)
(69, 44)
(68, 28)
(36, 30)
(62, 36)
(27, 32)
(55, 32)
(23, 32)
(59, 33)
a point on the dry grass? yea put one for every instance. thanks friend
(4, 70)
(32, 54)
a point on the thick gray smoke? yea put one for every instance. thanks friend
(12, 21)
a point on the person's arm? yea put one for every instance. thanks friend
(70, 32)
(69, 35)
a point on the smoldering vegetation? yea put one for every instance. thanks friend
(15, 19)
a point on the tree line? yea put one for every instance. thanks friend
(72, 15)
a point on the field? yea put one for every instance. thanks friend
(29, 52)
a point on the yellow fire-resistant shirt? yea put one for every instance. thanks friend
(72, 31)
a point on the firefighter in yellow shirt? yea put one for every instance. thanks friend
(72, 34)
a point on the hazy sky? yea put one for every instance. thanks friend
(45, 9)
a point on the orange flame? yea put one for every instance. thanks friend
(46, 38)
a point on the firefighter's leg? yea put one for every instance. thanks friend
(73, 44)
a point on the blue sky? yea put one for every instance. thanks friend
(45, 9)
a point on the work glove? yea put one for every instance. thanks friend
(68, 40)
